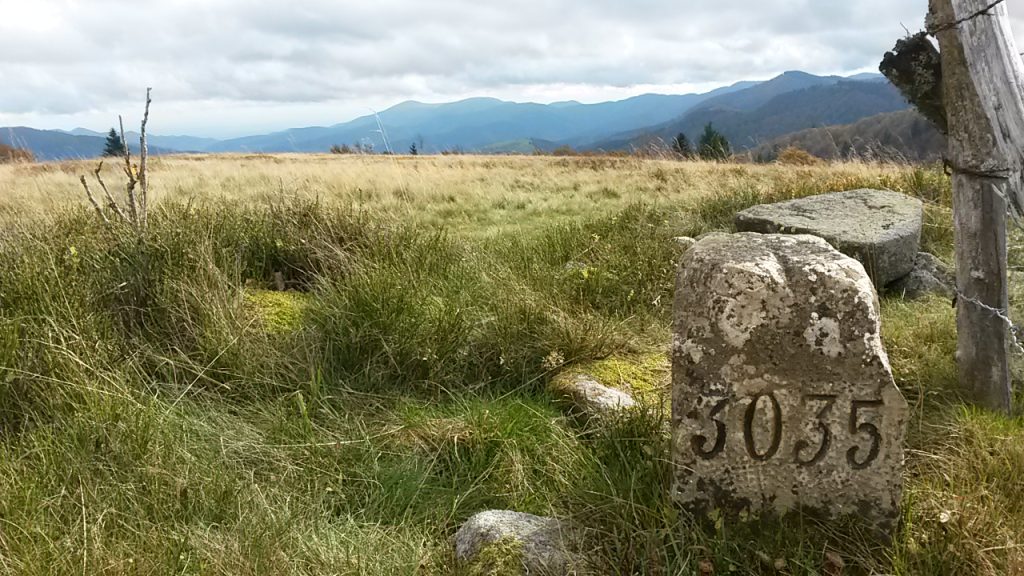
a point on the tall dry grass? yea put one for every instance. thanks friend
(162, 412)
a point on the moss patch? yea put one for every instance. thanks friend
(646, 377)
(279, 312)
(503, 557)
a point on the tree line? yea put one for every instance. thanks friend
(712, 145)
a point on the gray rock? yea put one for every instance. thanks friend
(540, 545)
(782, 395)
(592, 398)
(880, 228)
(929, 276)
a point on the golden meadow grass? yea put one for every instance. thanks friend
(482, 194)
(162, 412)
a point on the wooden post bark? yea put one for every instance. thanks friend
(983, 89)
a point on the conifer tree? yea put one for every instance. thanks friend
(681, 146)
(713, 145)
(114, 145)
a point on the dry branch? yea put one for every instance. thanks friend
(92, 200)
(111, 203)
(143, 168)
(137, 179)
(133, 205)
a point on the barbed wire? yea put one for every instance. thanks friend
(1015, 330)
(986, 11)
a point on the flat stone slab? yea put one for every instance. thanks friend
(880, 228)
(498, 539)
(782, 394)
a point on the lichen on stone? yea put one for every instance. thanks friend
(800, 415)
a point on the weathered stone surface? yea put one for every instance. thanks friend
(684, 242)
(880, 228)
(540, 545)
(592, 398)
(929, 276)
(782, 396)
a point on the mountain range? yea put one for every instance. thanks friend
(748, 113)
(478, 123)
(788, 103)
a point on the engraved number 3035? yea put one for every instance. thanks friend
(806, 452)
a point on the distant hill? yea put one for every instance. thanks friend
(521, 146)
(758, 95)
(52, 144)
(479, 123)
(60, 145)
(903, 135)
(177, 143)
(868, 77)
(788, 103)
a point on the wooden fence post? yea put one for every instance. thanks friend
(983, 93)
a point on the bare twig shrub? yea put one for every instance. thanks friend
(137, 187)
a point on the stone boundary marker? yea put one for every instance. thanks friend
(782, 398)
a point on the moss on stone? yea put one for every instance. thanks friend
(646, 377)
(503, 557)
(278, 312)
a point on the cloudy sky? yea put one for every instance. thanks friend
(233, 67)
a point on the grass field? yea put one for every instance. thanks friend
(162, 411)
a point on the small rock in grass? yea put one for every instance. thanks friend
(503, 542)
(929, 276)
(593, 398)
(834, 564)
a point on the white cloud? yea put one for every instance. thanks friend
(240, 66)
